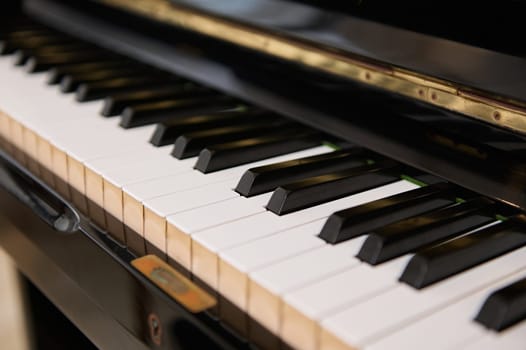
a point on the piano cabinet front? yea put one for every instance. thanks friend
(90, 280)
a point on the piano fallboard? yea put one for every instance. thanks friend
(385, 124)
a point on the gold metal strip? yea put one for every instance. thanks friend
(421, 87)
(174, 283)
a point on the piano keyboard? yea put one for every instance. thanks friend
(326, 247)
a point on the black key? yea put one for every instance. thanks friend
(115, 105)
(222, 156)
(22, 55)
(437, 263)
(504, 307)
(167, 132)
(155, 112)
(323, 188)
(102, 89)
(24, 32)
(10, 45)
(356, 221)
(267, 178)
(56, 74)
(6, 47)
(32, 33)
(61, 48)
(423, 230)
(39, 64)
(70, 82)
(189, 145)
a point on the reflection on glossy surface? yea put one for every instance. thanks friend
(442, 58)
(437, 80)
(269, 13)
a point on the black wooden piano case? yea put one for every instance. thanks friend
(86, 275)
(89, 278)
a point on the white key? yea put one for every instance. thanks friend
(265, 223)
(71, 126)
(265, 251)
(382, 315)
(345, 289)
(148, 169)
(373, 280)
(20, 84)
(307, 268)
(48, 108)
(510, 339)
(113, 141)
(448, 328)
(90, 135)
(77, 129)
(102, 164)
(218, 213)
(190, 199)
(173, 184)
(207, 205)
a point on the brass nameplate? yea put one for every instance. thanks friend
(174, 283)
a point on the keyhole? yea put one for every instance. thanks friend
(155, 329)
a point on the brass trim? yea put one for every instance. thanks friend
(434, 91)
(173, 283)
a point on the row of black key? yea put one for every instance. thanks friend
(429, 221)
(194, 118)
(228, 134)
(224, 132)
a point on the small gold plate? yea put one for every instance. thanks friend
(174, 283)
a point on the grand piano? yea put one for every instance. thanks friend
(269, 174)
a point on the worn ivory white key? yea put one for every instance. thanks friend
(509, 339)
(148, 203)
(360, 324)
(224, 272)
(452, 327)
(59, 132)
(306, 307)
(73, 134)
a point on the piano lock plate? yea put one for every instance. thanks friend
(174, 283)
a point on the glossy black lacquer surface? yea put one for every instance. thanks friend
(493, 27)
(466, 152)
(404, 236)
(504, 307)
(268, 177)
(434, 264)
(116, 103)
(88, 276)
(454, 61)
(310, 191)
(355, 221)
